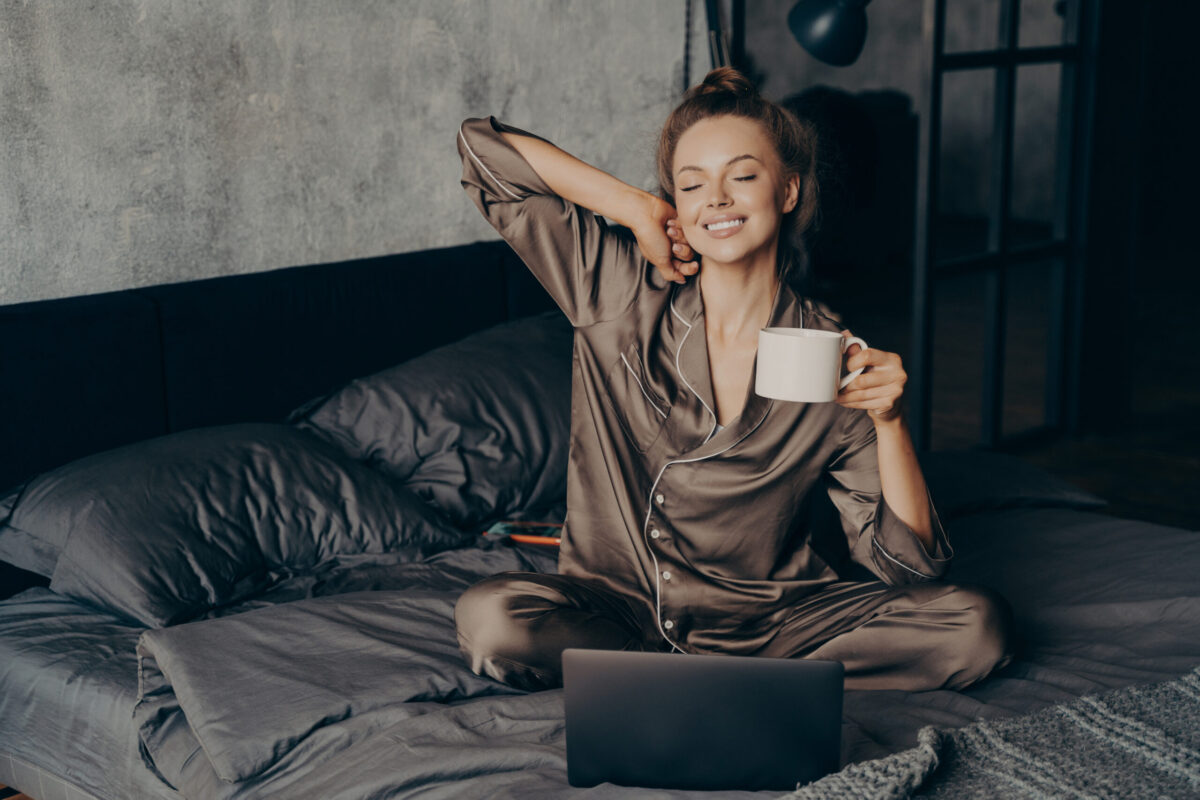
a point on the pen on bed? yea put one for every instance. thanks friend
(527, 538)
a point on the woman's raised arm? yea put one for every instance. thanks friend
(643, 213)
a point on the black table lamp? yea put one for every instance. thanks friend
(833, 31)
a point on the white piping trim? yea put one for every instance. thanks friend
(482, 167)
(892, 558)
(643, 388)
(679, 371)
(676, 313)
(679, 349)
(646, 524)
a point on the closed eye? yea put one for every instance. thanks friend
(689, 188)
(746, 178)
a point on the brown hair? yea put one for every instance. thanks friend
(727, 92)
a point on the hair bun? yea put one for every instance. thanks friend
(725, 80)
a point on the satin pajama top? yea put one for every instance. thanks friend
(715, 533)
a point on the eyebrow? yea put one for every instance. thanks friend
(733, 160)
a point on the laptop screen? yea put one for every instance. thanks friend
(668, 720)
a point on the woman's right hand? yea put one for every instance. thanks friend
(662, 242)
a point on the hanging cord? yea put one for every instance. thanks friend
(687, 46)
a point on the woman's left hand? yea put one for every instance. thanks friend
(879, 388)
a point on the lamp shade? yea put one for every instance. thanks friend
(832, 31)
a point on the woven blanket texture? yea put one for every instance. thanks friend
(1136, 742)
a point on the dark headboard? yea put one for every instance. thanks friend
(86, 374)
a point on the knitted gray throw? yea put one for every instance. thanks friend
(1140, 741)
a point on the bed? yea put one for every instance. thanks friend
(266, 609)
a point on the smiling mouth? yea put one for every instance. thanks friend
(726, 225)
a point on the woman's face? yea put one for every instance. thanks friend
(730, 190)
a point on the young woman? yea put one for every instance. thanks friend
(698, 512)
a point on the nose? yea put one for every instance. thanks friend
(717, 196)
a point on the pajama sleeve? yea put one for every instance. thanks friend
(878, 539)
(592, 273)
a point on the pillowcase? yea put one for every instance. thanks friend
(163, 530)
(480, 428)
(968, 481)
(7, 501)
(36, 554)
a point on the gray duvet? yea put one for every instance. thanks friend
(346, 682)
(364, 694)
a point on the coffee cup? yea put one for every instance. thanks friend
(803, 365)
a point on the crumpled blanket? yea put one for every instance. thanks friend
(1140, 741)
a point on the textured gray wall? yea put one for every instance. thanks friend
(168, 140)
(892, 59)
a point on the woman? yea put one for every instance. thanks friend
(695, 506)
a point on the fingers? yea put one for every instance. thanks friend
(669, 253)
(880, 387)
(678, 271)
(876, 377)
(853, 349)
(676, 263)
(682, 252)
(686, 267)
(865, 398)
(878, 381)
(670, 272)
(870, 357)
(679, 248)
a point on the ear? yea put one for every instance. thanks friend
(791, 194)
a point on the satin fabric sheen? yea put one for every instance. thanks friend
(715, 536)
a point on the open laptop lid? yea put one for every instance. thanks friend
(674, 721)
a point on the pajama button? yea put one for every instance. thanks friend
(654, 534)
(668, 624)
(666, 575)
(658, 498)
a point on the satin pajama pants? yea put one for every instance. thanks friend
(514, 626)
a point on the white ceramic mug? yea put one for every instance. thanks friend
(803, 365)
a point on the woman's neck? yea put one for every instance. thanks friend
(738, 297)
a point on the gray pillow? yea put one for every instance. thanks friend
(480, 428)
(968, 481)
(7, 501)
(35, 553)
(163, 530)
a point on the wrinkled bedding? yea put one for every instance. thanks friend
(377, 701)
(68, 682)
(69, 674)
(267, 611)
(163, 530)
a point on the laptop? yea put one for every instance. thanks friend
(682, 721)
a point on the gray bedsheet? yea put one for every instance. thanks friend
(1100, 603)
(68, 682)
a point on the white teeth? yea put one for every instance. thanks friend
(720, 226)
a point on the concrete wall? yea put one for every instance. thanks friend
(168, 140)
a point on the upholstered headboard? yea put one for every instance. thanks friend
(86, 374)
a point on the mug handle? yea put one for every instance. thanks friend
(846, 342)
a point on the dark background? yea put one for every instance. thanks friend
(1133, 434)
